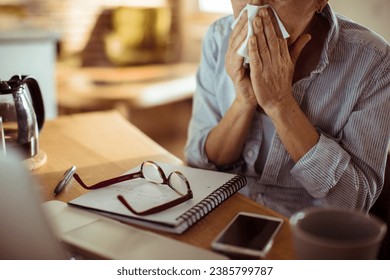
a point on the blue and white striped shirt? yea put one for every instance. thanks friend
(347, 98)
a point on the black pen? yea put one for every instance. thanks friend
(65, 179)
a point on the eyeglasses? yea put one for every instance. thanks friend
(152, 172)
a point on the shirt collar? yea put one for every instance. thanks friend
(331, 40)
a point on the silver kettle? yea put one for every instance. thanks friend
(22, 115)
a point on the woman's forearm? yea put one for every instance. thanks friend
(225, 142)
(296, 132)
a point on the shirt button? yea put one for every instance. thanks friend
(250, 153)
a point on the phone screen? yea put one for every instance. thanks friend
(250, 232)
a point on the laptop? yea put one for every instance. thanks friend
(30, 229)
(25, 232)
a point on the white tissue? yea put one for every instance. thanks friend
(252, 12)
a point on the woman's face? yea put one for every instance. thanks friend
(295, 14)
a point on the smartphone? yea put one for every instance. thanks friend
(248, 235)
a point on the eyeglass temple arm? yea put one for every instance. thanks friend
(108, 182)
(156, 209)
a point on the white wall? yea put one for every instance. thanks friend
(373, 14)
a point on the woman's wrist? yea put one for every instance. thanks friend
(276, 110)
(244, 106)
(296, 132)
(225, 141)
(245, 98)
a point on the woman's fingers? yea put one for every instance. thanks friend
(233, 62)
(270, 70)
(270, 34)
(239, 32)
(261, 40)
(254, 55)
(267, 38)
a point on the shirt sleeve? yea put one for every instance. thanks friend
(207, 109)
(205, 113)
(348, 172)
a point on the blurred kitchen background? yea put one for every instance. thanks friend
(138, 57)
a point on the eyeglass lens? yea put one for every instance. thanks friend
(176, 180)
(152, 172)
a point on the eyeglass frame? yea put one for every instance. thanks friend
(139, 175)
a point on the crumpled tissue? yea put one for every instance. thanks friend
(252, 12)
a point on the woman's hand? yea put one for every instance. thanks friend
(234, 64)
(272, 64)
(272, 70)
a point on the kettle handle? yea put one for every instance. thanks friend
(36, 98)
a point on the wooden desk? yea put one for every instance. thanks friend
(104, 144)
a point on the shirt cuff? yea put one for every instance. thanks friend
(236, 167)
(321, 168)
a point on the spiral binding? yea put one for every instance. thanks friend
(212, 200)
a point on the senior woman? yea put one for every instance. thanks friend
(308, 120)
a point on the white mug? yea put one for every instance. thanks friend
(335, 234)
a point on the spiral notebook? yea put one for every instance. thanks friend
(210, 189)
